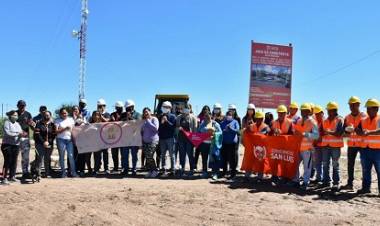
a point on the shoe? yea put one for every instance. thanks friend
(107, 172)
(134, 173)
(148, 175)
(348, 187)
(13, 179)
(204, 175)
(154, 174)
(304, 187)
(324, 185)
(74, 175)
(363, 191)
(64, 175)
(214, 177)
(335, 188)
(190, 174)
(5, 181)
(81, 174)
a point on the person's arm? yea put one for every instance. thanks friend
(339, 129)
(374, 132)
(235, 126)
(8, 130)
(152, 124)
(313, 134)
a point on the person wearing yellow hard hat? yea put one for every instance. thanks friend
(293, 109)
(332, 142)
(369, 130)
(351, 123)
(307, 128)
(281, 126)
(312, 108)
(317, 152)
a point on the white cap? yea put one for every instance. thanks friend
(167, 104)
(119, 104)
(101, 101)
(231, 106)
(129, 103)
(251, 107)
(82, 100)
(217, 105)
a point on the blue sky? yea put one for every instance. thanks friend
(202, 48)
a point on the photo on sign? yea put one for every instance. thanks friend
(269, 75)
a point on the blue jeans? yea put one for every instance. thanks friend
(186, 148)
(125, 157)
(306, 159)
(167, 145)
(317, 163)
(368, 158)
(328, 154)
(66, 145)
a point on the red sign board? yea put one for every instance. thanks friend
(271, 75)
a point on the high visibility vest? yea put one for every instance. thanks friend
(353, 139)
(329, 140)
(371, 141)
(256, 129)
(302, 127)
(283, 127)
(320, 129)
(295, 118)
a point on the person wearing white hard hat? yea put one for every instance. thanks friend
(201, 116)
(233, 109)
(115, 117)
(249, 117)
(166, 133)
(104, 117)
(128, 115)
(217, 113)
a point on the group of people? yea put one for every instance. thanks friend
(165, 133)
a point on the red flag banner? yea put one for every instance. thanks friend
(276, 155)
(196, 138)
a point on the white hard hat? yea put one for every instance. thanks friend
(232, 106)
(82, 100)
(167, 104)
(101, 101)
(119, 104)
(251, 107)
(217, 105)
(129, 103)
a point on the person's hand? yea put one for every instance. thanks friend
(276, 132)
(365, 132)
(46, 144)
(164, 119)
(180, 128)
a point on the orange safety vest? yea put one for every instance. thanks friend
(284, 127)
(353, 139)
(329, 140)
(320, 128)
(371, 141)
(302, 127)
(256, 129)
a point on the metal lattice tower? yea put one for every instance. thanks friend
(82, 37)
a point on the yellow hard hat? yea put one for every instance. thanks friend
(293, 105)
(332, 106)
(317, 109)
(372, 103)
(305, 106)
(282, 109)
(259, 114)
(312, 105)
(353, 100)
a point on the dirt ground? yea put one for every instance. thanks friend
(139, 201)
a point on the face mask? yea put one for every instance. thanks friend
(14, 118)
(216, 111)
(229, 118)
(186, 111)
(165, 110)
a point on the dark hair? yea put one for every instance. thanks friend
(61, 110)
(48, 112)
(146, 109)
(75, 106)
(229, 113)
(9, 113)
(268, 118)
(206, 107)
(43, 108)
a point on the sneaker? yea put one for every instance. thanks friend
(204, 175)
(364, 191)
(107, 172)
(81, 174)
(148, 175)
(75, 175)
(5, 181)
(64, 175)
(348, 186)
(190, 174)
(134, 173)
(304, 187)
(154, 174)
(324, 185)
(214, 177)
(335, 188)
(13, 179)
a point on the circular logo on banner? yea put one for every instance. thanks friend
(110, 133)
(260, 152)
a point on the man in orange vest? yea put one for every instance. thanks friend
(369, 129)
(293, 109)
(332, 142)
(307, 128)
(351, 122)
(317, 152)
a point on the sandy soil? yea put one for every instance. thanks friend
(139, 201)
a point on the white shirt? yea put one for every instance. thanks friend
(63, 123)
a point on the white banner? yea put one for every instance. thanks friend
(98, 136)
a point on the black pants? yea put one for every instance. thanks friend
(83, 161)
(115, 158)
(98, 159)
(10, 153)
(204, 150)
(196, 156)
(229, 158)
(237, 145)
(352, 152)
(158, 155)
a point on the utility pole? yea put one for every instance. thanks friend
(82, 37)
